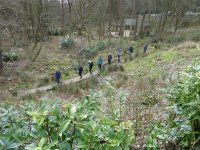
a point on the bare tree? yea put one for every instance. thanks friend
(37, 22)
(1, 58)
(62, 15)
(180, 8)
(70, 16)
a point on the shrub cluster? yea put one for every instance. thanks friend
(93, 49)
(67, 42)
(196, 37)
(11, 55)
(54, 31)
(182, 126)
(52, 125)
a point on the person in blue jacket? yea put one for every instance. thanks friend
(100, 62)
(58, 76)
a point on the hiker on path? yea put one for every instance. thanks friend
(100, 62)
(58, 76)
(119, 51)
(90, 66)
(80, 71)
(109, 58)
(145, 47)
(130, 50)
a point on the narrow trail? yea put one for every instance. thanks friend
(22, 93)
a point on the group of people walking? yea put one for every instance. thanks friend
(100, 62)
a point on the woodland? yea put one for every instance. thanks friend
(148, 99)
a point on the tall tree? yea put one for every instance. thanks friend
(180, 8)
(62, 15)
(143, 12)
(1, 58)
(70, 17)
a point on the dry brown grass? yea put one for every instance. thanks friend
(185, 45)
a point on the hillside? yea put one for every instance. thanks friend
(99, 75)
(138, 83)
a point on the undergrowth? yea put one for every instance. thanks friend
(181, 127)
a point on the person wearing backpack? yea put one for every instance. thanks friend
(119, 51)
(80, 71)
(130, 50)
(109, 58)
(90, 66)
(58, 76)
(145, 47)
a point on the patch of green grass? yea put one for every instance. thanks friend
(149, 65)
(167, 56)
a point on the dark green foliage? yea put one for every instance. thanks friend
(196, 37)
(54, 32)
(182, 127)
(175, 38)
(67, 42)
(101, 45)
(92, 50)
(158, 46)
(53, 125)
(116, 67)
(121, 68)
(11, 55)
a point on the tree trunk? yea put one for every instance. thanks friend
(38, 52)
(110, 19)
(1, 60)
(99, 29)
(163, 23)
(62, 15)
(135, 14)
(176, 23)
(160, 23)
(110, 15)
(149, 11)
(136, 23)
(32, 20)
(142, 24)
(120, 12)
(70, 17)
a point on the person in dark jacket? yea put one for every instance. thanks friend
(80, 71)
(109, 58)
(90, 66)
(58, 76)
(119, 51)
(130, 51)
(145, 47)
(100, 62)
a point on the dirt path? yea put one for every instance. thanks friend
(22, 93)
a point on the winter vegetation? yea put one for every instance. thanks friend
(99, 75)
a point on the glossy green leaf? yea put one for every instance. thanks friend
(53, 143)
(63, 126)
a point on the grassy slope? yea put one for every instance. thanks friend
(51, 58)
(147, 75)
